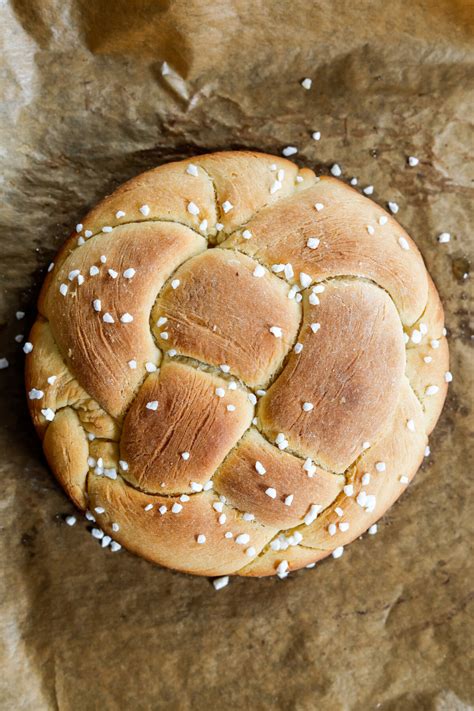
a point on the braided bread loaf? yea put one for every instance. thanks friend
(236, 364)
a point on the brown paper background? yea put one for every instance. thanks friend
(84, 107)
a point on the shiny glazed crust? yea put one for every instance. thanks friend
(236, 365)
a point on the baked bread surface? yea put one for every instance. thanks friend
(236, 365)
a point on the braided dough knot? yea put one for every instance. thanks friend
(236, 365)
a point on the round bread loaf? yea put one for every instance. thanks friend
(236, 365)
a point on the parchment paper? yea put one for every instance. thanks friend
(85, 106)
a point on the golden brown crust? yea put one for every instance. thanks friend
(346, 381)
(295, 557)
(427, 370)
(281, 233)
(48, 373)
(245, 180)
(185, 439)
(65, 447)
(401, 452)
(313, 292)
(98, 351)
(428, 358)
(166, 191)
(105, 450)
(204, 315)
(171, 539)
(296, 489)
